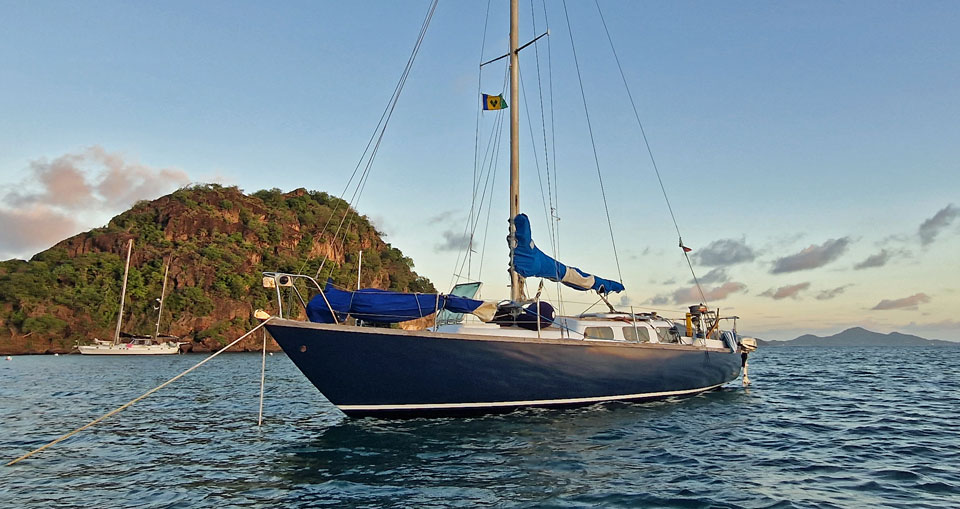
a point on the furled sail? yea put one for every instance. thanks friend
(530, 261)
(373, 305)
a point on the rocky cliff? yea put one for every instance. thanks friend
(217, 241)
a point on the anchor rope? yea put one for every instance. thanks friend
(138, 398)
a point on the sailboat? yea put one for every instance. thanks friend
(519, 354)
(131, 344)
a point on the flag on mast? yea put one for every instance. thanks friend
(493, 102)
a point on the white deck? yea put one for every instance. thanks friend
(597, 328)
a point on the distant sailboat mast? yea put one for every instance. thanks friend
(163, 292)
(516, 292)
(123, 293)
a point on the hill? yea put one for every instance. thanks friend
(858, 336)
(218, 241)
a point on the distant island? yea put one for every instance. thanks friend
(218, 241)
(858, 336)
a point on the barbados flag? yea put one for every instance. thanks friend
(493, 102)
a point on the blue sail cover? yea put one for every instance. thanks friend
(530, 261)
(373, 305)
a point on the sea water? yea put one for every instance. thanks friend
(819, 427)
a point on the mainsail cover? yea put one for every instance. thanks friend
(373, 305)
(530, 261)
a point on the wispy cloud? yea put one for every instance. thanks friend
(930, 228)
(812, 257)
(659, 300)
(878, 260)
(724, 252)
(687, 295)
(60, 197)
(792, 291)
(911, 302)
(831, 293)
(453, 241)
(717, 275)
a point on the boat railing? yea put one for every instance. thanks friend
(279, 280)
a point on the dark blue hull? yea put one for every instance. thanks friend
(390, 372)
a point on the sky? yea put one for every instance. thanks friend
(810, 150)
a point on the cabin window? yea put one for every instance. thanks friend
(598, 333)
(631, 334)
(665, 335)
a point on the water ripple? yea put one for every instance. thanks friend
(821, 427)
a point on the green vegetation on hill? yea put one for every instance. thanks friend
(218, 241)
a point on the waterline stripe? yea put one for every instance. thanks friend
(490, 404)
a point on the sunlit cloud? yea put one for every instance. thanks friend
(692, 294)
(62, 196)
(32, 229)
(792, 291)
(911, 302)
(930, 228)
(724, 252)
(812, 257)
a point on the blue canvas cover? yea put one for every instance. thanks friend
(530, 261)
(373, 305)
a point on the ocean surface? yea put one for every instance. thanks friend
(819, 427)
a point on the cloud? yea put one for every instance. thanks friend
(878, 260)
(32, 229)
(931, 227)
(94, 180)
(442, 217)
(812, 257)
(124, 182)
(831, 293)
(792, 291)
(659, 300)
(724, 252)
(717, 275)
(60, 197)
(686, 295)
(453, 241)
(911, 302)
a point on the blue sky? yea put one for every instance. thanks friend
(815, 136)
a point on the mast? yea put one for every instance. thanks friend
(123, 293)
(163, 292)
(515, 290)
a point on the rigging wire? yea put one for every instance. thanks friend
(554, 227)
(649, 150)
(470, 228)
(476, 142)
(553, 153)
(543, 199)
(379, 132)
(593, 142)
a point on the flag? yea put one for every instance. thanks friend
(685, 248)
(493, 102)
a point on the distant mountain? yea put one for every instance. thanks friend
(858, 336)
